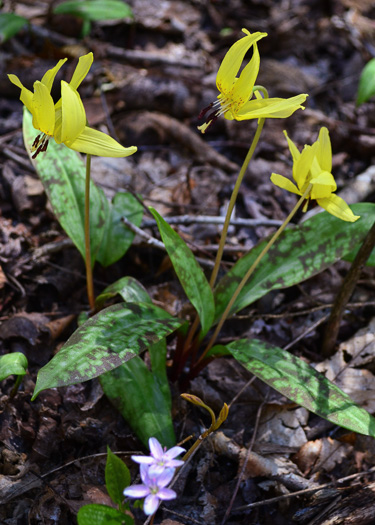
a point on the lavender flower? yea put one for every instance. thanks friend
(160, 459)
(153, 488)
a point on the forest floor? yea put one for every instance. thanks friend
(157, 71)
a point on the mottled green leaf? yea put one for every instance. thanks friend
(189, 273)
(300, 253)
(97, 514)
(128, 288)
(158, 357)
(366, 87)
(117, 477)
(136, 394)
(62, 173)
(95, 10)
(117, 238)
(14, 363)
(301, 383)
(10, 24)
(104, 342)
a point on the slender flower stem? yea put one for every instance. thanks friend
(251, 270)
(89, 278)
(232, 201)
(224, 232)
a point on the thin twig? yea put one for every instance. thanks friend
(304, 491)
(187, 220)
(299, 313)
(156, 243)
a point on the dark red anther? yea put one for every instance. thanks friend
(204, 111)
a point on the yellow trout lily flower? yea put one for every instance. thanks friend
(66, 121)
(313, 167)
(234, 101)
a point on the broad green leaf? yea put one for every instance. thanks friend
(116, 237)
(62, 173)
(14, 363)
(117, 477)
(300, 253)
(97, 514)
(189, 273)
(366, 87)
(136, 394)
(158, 356)
(95, 10)
(10, 24)
(301, 383)
(104, 342)
(128, 288)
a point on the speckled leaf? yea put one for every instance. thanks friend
(97, 514)
(300, 253)
(189, 273)
(104, 342)
(14, 363)
(62, 173)
(116, 237)
(128, 288)
(301, 383)
(136, 393)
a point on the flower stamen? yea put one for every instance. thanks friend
(40, 144)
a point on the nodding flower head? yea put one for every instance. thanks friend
(65, 121)
(312, 166)
(160, 458)
(234, 101)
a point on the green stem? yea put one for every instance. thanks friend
(232, 201)
(251, 270)
(89, 278)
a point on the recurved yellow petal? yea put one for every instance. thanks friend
(324, 150)
(50, 75)
(337, 206)
(292, 148)
(43, 109)
(271, 107)
(233, 59)
(322, 185)
(302, 166)
(95, 142)
(284, 183)
(26, 96)
(243, 88)
(83, 67)
(73, 114)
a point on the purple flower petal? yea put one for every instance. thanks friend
(166, 494)
(165, 477)
(143, 459)
(145, 474)
(173, 452)
(151, 504)
(155, 470)
(155, 448)
(137, 491)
